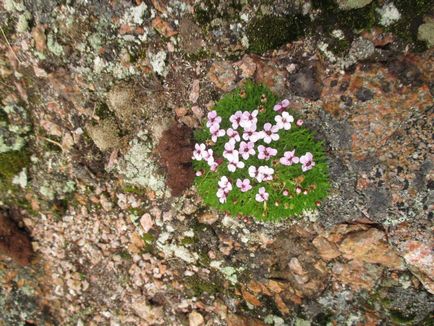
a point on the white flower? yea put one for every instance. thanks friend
(284, 121)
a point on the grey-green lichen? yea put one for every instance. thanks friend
(139, 168)
(14, 128)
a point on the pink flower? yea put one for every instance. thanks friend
(284, 121)
(216, 132)
(289, 158)
(285, 192)
(198, 152)
(249, 119)
(246, 149)
(299, 122)
(208, 155)
(266, 173)
(265, 153)
(199, 173)
(298, 190)
(285, 103)
(224, 183)
(233, 134)
(213, 166)
(262, 195)
(236, 119)
(252, 135)
(213, 119)
(235, 163)
(281, 106)
(307, 161)
(270, 133)
(222, 195)
(244, 185)
(229, 149)
(254, 173)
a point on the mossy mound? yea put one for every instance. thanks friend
(291, 190)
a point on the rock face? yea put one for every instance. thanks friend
(98, 103)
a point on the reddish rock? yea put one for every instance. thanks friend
(420, 258)
(269, 74)
(357, 275)
(247, 65)
(250, 298)
(370, 246)
(222, 75)
(163, 27)
(327, 250)
(238, 320)
(38, 33)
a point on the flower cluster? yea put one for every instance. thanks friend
(237, 151)
(254, 158)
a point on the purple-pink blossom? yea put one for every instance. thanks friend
(252, 135)
(244, 185)
(284, 120)
(249, 119)
(233, 134)
(236, 119)
(198, 152)
(262, 195)
(254, 172)
(235, 163)
(281, 106)
(270, 133)
(229, 149)
(307, 162)
(266, 173)
(265, 153)
(216, 132)
(299, 122)
(213, 119)
(246, 149)
(289, 158)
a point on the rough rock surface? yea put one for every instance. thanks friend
(97, 104)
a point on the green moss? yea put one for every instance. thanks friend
(401, 319)
(339, 47)
(199, 55)
(412, 13)
(125, 255)
(207, 10)
(103, 112)
(332, 17)
(11, 163)
(148, 238)
(188, 241)
(270, 32)
(289, 178)
(199, 286)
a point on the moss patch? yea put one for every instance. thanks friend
(412, 13)
(270, 32)
(11, 163)
(290, 190)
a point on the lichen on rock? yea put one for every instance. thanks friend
(139, 167)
